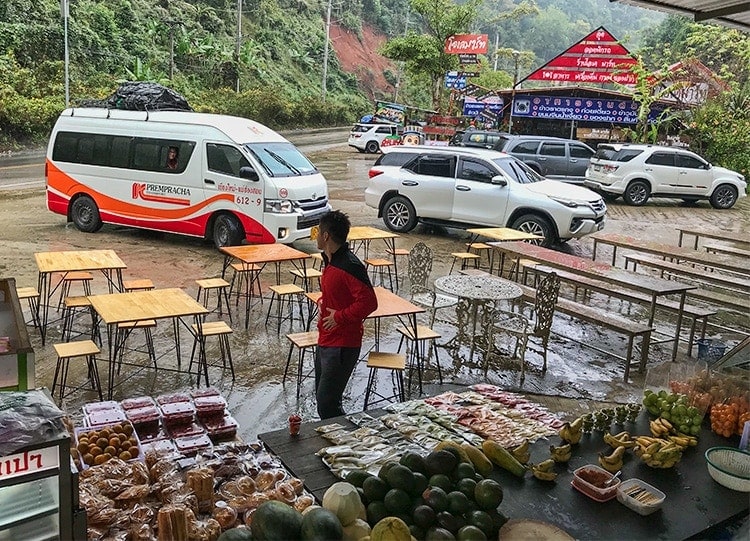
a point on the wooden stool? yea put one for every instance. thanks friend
(250, 274)
(85, 279)
(31, 295)
(70, 350)
(212, 328)
(305, 342)
(521, 268)
(307, 276)
(424, 334)
(281, 294)
(221, 286)
(480, 248)
(70, 307)
(125, 329)
(143, 284)
(396, 363)
(379, 266)
(464, 258)
(395, 253)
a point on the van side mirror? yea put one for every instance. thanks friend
(499, 180)
(249, 173)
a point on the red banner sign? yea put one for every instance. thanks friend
(597, 58)
(466, 44)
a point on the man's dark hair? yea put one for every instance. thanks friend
(337, 224)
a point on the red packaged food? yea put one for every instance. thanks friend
(148, 433)
(176, 413)
(93, 407)
(105, 417)
(221, 428)
(160, 447)
(139, 402)
(207, 391)
(184, 430)
(209, 406)
(190, 445)
(172, 398)
(145, 417)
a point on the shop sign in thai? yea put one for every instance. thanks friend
(455, 79)
(473, 107)
(389, 112)
(466, 43)
(467, 59)
(597, 58)
(29, 462)
(586, 109)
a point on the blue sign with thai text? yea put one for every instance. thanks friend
(586, 109)
(454, 80)
(474, 107)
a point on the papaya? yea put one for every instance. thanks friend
(501, 457)
(455, 448)
(390, 529)
(482, 464)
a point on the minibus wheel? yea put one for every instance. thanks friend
(227, 231)
(85, 214)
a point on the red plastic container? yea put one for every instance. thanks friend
(144, 418)
(139, 402)
(221, 428)
(209, 406)
(206, 391)
(185, 430)
(190, 445)
(172, 398)
(93, 407)
(176, 413)
(105, 417)
(591, 480)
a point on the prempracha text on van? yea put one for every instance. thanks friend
(224, 178)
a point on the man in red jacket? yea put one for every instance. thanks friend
(347, 299)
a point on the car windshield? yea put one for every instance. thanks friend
(281, 159)
(518, 171)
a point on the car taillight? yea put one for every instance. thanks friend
(374, 172)
(610, 168)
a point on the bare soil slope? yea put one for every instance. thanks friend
(360, 57)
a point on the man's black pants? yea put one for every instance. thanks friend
(333, 367)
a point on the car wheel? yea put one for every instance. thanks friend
(399, 215)
(536, 225)
(227, 231)
(85, 215)
(724, 197)
(637, 193)
(372, 147)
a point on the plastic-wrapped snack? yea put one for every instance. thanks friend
(201, 481)
(297, 485)
(141, 532)
(112, 488)
(142, 514)
(172, 524)
(240, 503)
(303, 502)
(204, 530)
(246, 485)
(133, 495)
(285, 493)
(180, 494)
(256, 499)
(265, 480)
(247, 518)
(162, 469)
(94, 533)
(225, 515)
(139, 473)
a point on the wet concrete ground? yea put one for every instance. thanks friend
(257, 398)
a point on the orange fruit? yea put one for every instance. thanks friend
(100, 459)
(125, 456)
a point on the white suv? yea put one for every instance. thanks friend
(638, 172)
(369, 137)
(464, 187)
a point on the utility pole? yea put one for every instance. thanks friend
(65, 8)
(238, 43)
(325, 51)
(401, 64)
(171, 23)
(497, 44)
(515, 54)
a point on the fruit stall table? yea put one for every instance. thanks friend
(695, 504)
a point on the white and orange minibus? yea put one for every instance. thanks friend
(223, 178)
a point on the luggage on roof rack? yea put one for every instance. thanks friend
(141, 96)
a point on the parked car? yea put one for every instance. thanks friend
(463, 187)
(552, 157)
(638, 172)
(477, 138)
(369, 137)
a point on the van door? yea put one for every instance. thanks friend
(477, 200)
(221, 177)
(553, 161)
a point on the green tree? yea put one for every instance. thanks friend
(422, 53)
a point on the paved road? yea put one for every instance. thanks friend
(26, 170)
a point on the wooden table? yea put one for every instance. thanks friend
(261, 255)
(732, 236)
(695, 504)
(666, 251)
(500, 234)
(136, 306)
(475, 292)
(655, 287)
(106, 261)
(362, 236)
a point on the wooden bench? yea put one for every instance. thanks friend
(736, 302)
(695, 313)
(604, 319)
(712, 278)
(729, 250)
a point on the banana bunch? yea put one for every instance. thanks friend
(622, 439)
(683, 440)
(571, 432)
(521, 453)
(658, 452)
(543, 470)
(612, 462)
(660, 427)
(561, 453)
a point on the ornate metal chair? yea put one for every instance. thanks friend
(521, 328)
(420, 267)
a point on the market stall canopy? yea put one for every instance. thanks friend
(734, 13)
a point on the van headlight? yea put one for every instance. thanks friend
(279, 206)
(564, 201)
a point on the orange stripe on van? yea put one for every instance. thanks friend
(62, 182)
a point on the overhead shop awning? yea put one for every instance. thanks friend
(734, 13)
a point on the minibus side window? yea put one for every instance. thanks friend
(225, 159)
(101, 153)
(120, 155)
(146, 155)
(66, 147)
(85, 150)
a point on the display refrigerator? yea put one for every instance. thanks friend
(38, 489)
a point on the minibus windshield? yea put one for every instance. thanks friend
(281, 159)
